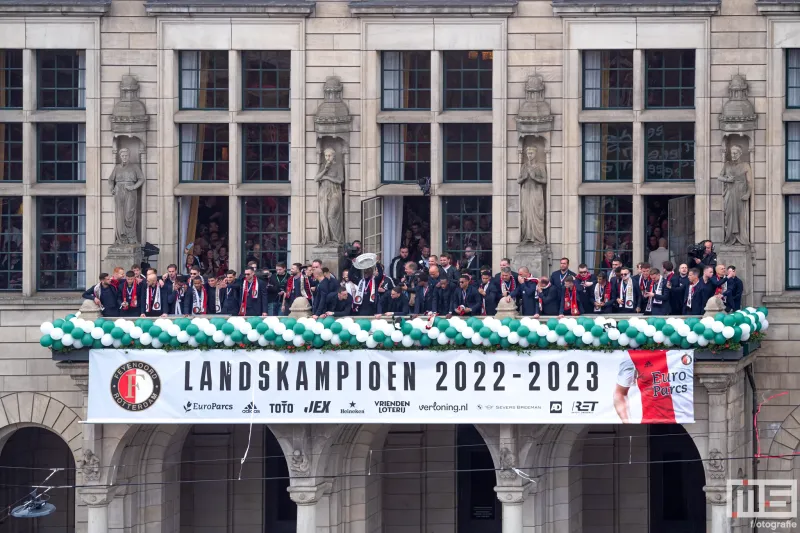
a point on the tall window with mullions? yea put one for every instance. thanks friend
(406, 80)
(670, 78)
(608, 152)
(265, 230)
(10, 243)
(61, 226)
(11, 79)
(792, 77)
(11, 152)
(607, 226)
(61, 152)
(265, 152)
(793, 242)
(406, 152)
(608, 79)
(467, 152)
(62, 79)
(468, 79)
(669, 151)
(468, 227)
(204, 79)
(267, 76)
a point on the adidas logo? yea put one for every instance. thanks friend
(251, 409)
(648, 364)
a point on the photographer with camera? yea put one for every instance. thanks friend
(351, 251)
(702, 255)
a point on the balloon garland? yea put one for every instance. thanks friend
(722, 332)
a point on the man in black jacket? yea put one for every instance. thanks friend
(425, 300)
(176, 298)
(733, 291)
(447, 269)
(525, 293)
(200, 297)
(557, 278)
(444, 296)
(657, 297)
(548, 298)
(104, 295)
(130, 296)
(678, 284)
(339, 303)
(393, 303)
(693, 303)
(155, 298)
(488, 291)
(254, 294)
(585, 282)
(709, 256)
(397, 265)
(625, 293)
(571, 304)
(602, 296)
(230, 295)
(466, 300)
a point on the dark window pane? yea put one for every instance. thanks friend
(792, 151)
(669, 151)
(266, 152)
(406, 80)
(793, 242)
(61, 225)
(204, 80)
(406, 152)
(11, 79)
(204, 152)
(608, 152)
(607, 79)
(468, 227)
(266, 75)
(468, 79)
(61, 152)
(670, 78)
(793, 77)
(265, 230)
(607, 225)
(10, 243)
(467, 152)
(62, 79)
(10, 152)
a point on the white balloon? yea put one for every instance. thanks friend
(579, 331)
(587, 337)
(523, 342)
(173, 330)
(649, 330)
(136, 332)
(542, 330)
(107, 340)
(468, 332)
(280, 328)
(288, 335)
(624, 340)
(433, 333)
(702, 341)
(326, 335)
(318, 328)
(633, 343)
(396, 336)
(486, 342)
(561, 341)
(503, 331)
(683, 330)
(156, 344)
(252, 335)
(245, 328)
(371, 343)
(764, 324)
(727, 332)
(183, 337)
(362, 336)
(596, 342)
(513, 337)
(442, 339)
(227, 341)
(658, 337)
(262, 341)
(117, 343)
(717, 326)
(272, 321)
(496, 325)
(477, 339)
(57, 334)
(745, 336)
(407, 341)
(745, 329)
(77, 344)
(218, 337)
(353, 329)
(336, 341)
(692, 337)
(707, 321)
(613, 334)
(298, 341)
(551, 337)
(209, 330)
(146, 339)
(67, 339)
(46, 328)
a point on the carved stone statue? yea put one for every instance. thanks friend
(125, 181)
(331, 213)
(737, 186)
(299, 463)
(90, 466)
(532, 181)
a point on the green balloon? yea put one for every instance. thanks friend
(641, 338)
(318, 342)
(328, 322)
(47, 341)
(336, 328)
(379, 336)
(668, 330)
(58, 345)
(494, 339)
(201, 337)
(192, 330)
(676, 339)
(552, 323)
(164, 337)
(98, 322)
(262, 328)
(299, 329)
(87, 339)
(344, 335)
(533, 338)
(659, 323)
(415, 334)
(631, 332)
(145, 326)
(485, 332)
(604, 340)
(174, 342)
(289, 323)
(425, 341)
(597, 331)
(570, 338)
(451, 332)
(228, 328)
(406, 328)
(67, 326)
(622, 326)
(469, 344)
(365, 325)
(719, 317)
(270, 335)
(691, 322)
(506, 321)
(59, 323)
(685, 344)
(523, 331)
(117, 333)
(154, 332)
(237, 337)
(699, 328)
(443, 324)
(279, 342)
(514, 325)
(77, 333)
(763, 310)
(719, 339)
(729, 321)
(504, 343)
(108, 326)
(708, 333)
(460, 340)
(388, 343)
(308, 335)
(542, 343)
(561, 329)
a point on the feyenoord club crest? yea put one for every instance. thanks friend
(156, 306)
(135, 386)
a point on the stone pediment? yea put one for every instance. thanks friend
(333, 116)
(738, 112)
(534, 114)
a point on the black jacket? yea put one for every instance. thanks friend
(451, 273)
(555, 278)
(397, 306)
(468, 298)
(733, 294)
(586, 293)
(698, 299)
(444, 299)
(660, 304)
(427, 303)
(325, 287)
(562, 295)
(678, 287)
(626, 307)
(108, 299)
(397, 268)
(491, 299)
(338, 307)
(607, 307)
(210, 305)
(550, 301)
(253, 306)
(177, 299)
(230, 299)
(123, 296)
(525, 294)
(164, 302)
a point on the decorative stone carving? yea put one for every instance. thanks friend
(738, 113)
(713, 306)
(90, 466)
(302, 495)
(532, 181)
(716, 495)
(129, 116)
(97, 496)
(89, 310)
(716, 464)
(534, 114)
(125, 181)
(506, 309)
(299, 464)
(330, 179)
(300, 308)
(506, 464)
(737, 187)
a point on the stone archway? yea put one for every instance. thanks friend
(784, 450)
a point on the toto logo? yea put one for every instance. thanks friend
(135, 386)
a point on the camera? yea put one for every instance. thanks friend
(263, 274)
(696, 251)
(351, 251)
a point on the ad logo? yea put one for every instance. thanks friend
(556, 407)
(318, 408)
(281, 408)
(135, 386)
(584, 407)
(194, 406)
(251, 409)
(352, 409)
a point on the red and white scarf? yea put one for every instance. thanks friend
(721, 287)
(199, 301)
(571, 300)
(305, 287)
(252, 291)
(602, 294)
(691, 294)
(131, 293)
(508, 288)
(153, 299)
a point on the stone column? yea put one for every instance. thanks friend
(306, 498)
(512, 499)
(97, 500)
(716, 467)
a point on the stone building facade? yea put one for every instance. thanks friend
(515, 48)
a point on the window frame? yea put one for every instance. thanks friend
(7, 74)
(402, 145)
(664, 88)
(610, 89)
(617, 162)
(76, 90)
(479, 251)
(40, 234)
(261, 215)
(216, 162)
(415, 90)
(788, 87)
(462, 143)
(7, 219)
(645, 177)
(7, 160)
(787, 160)
(214, 91)
(260, 144)
(787, 250)
(461, 90)
(55, 162)
(261, 90)
(617, 250)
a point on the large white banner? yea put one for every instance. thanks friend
(374, 386)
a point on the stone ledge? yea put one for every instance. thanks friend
(785, 300)
(778, 8)
(55, 7)
(49, 302)
(578, 8)
(270, 8)
(399, 8)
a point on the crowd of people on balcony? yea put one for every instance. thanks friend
(440, 285)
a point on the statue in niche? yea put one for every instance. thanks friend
(737, 187)
(330, 179)
(125, 181)
(532, 181)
